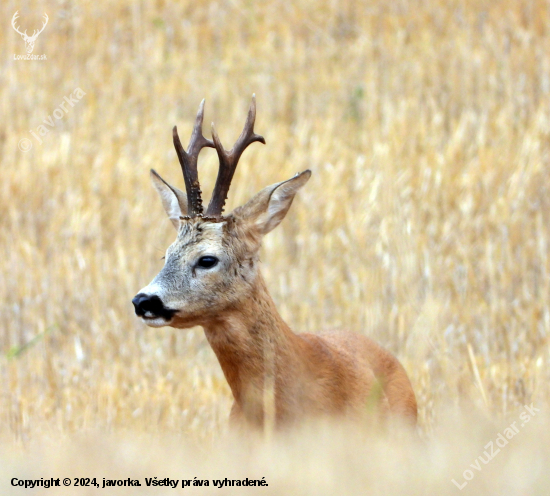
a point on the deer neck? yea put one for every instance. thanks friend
(253, 344)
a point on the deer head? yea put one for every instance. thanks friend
(29, 40)
(212, 266)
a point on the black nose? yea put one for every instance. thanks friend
(150, 305)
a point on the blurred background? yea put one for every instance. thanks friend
(426, 124)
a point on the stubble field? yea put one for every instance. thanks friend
(426, 225)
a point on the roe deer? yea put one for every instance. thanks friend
(211, 278)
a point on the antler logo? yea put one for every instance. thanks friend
(29, 40)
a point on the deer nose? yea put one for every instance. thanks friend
(148, 305)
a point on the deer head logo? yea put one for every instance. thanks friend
(29, 40)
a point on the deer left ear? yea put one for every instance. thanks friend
(268, 208)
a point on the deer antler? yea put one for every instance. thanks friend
(229, 160)
(13, 19)
(188, 162)
(36, 32)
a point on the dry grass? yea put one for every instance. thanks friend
(425, 225)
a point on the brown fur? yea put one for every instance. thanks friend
(328, 374)
(275, 375)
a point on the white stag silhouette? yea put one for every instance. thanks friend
(29, 40)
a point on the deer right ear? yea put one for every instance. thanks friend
(173, 200)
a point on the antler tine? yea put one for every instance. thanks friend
(38, 31)
(230, 159)
(188, 161)
(13, 21)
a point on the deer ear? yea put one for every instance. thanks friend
(268, 208)
(173, 200)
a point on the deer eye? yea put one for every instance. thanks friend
(207, 262)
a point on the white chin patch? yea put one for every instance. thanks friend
(156, 322)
